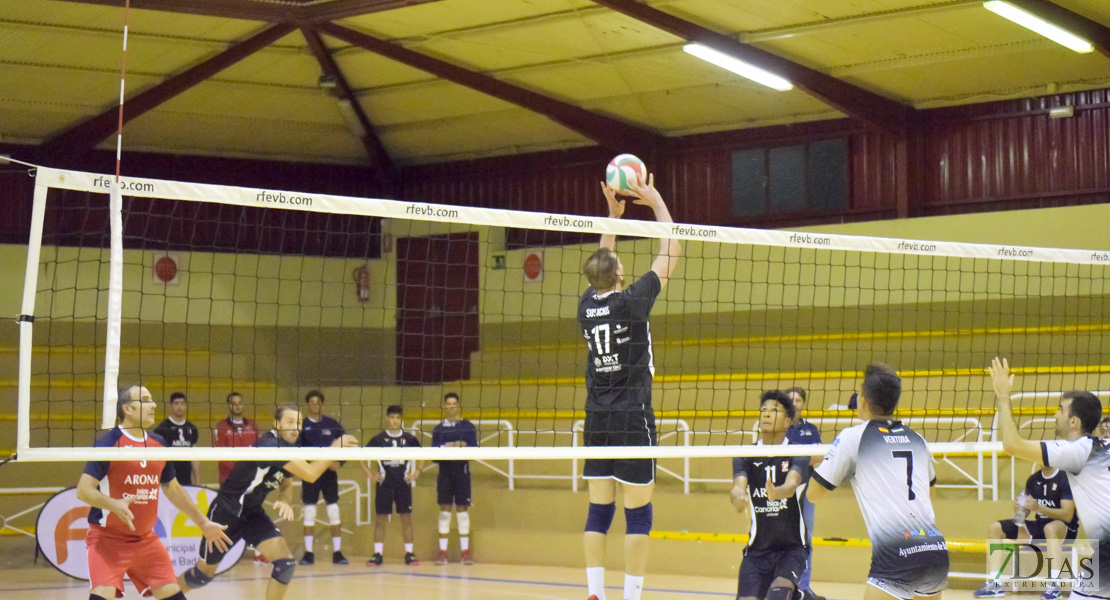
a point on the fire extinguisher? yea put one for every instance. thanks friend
(362, 283)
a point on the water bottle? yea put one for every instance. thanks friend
(1022, 511)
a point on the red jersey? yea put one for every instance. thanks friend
(233, 435)
(141, 480)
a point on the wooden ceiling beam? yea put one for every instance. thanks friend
(1092, 31)
(88, 134)
(856, 102)
(375, 151)
(606, 131)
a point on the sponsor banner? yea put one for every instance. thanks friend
(63, 523)
(375, 207)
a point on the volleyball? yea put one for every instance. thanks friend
(624, 168)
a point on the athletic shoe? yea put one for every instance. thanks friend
(375, 561)
(410, 559)
(308, 559)
(337, 558)
(1052, 592)
(992, 589)
(441, 558)
(592, 598)
(467, 557)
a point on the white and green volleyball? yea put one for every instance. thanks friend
(623, 169)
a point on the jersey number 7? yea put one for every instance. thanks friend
(908, 455)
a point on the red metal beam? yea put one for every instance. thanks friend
(379, 158)
(90, 133)
(1093, 31)
(856, 102)
(604, 130)
(341, 9)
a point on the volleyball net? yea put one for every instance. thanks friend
(210, 290)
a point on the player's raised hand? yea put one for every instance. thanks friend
(645, 192)
(1002, 378)
(616, 205)
(214, 533)
(120, 508)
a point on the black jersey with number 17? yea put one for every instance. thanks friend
(615, 324)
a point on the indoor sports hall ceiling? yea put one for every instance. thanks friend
(398, 82)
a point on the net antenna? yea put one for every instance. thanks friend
(115, 270)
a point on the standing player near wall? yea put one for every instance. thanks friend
(619, 370)
(179, 432)
(319, 431)
(395, 479)
(453, 483)
(235, 431)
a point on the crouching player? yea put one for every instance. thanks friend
(239, 504)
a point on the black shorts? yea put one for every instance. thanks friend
(390, 494)
(760, 568)
(1035, 528)
(253, 525)
(632, 427)
(453, 485)
(910, 567)
(328, 483)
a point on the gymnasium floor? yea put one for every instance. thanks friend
(426, 582)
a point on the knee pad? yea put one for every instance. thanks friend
(780, 593)
(464, 522)
(283, 570)
(600, 517)
(195, 578)
(444, 522)
(310, 515)
(333, 514)
(180, 595)
(638, 520)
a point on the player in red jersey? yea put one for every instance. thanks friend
(124, 500)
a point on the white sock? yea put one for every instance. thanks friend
(308, 539)
(443, 544)
(337, 541)
(633, 587)
(408, 549)
(378, 547)
(464, 542)
(595, 581)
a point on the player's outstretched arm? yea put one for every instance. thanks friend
(616, 211)
(213, 532)
(1012, 442)
(669, 249)
(787, 489)
(88, 491)
(311, 471)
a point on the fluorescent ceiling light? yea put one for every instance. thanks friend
(1030, 21)
(739, 67)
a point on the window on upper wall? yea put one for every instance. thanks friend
(805, 178)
